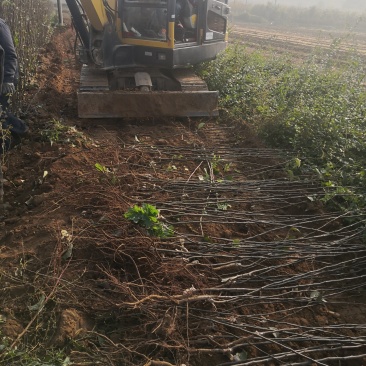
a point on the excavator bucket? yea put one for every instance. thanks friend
(95, 100)
(114, 104)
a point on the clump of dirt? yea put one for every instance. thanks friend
(254, 271)
(11, 329)
(72, 324)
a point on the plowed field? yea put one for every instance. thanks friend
(298, 42)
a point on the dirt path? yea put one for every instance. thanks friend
(255, 272)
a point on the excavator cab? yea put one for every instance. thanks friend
(144, 22)
(138, 56)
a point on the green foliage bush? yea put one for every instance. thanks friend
(148, 216)
(29, 22)
(316, 108)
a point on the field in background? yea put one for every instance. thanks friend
(294, 16)
(298, 41)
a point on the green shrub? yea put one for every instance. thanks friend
(29, 22)
(316, 108)
(148, 216)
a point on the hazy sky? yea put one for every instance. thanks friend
(350, 5)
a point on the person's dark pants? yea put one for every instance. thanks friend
(14, 125)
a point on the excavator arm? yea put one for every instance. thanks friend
(95, 11)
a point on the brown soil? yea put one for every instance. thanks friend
(240, 279)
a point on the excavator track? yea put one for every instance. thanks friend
(95, 100)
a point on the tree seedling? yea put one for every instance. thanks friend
(148, 217)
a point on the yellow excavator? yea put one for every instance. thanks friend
(138, 56)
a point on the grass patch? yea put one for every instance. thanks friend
(55, 131)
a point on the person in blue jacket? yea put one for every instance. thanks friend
(16, 126)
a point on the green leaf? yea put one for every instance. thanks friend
(67, 362)
(240, 356)
(317, 296)
(223, 206)
(291, 174)
(295, 229)
(150, 210)
(101, 168)
(39, 304)
(148, 217)
(297, 162)
(67, 254)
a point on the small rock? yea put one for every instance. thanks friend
(18, 182)
(29, 201)
(161, 142)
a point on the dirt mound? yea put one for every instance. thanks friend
(255, 272)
